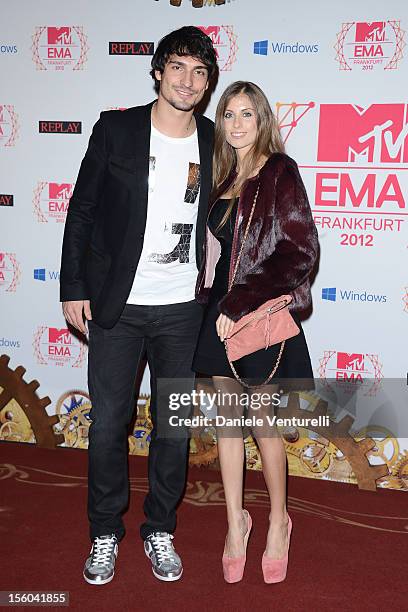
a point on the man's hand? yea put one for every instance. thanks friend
(73, 313)
(224, 326)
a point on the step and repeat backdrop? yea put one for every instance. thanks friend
(334, 74)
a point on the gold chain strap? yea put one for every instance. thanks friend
(244, 384)
(244, 239)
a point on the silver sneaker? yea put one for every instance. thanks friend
(100, 565)
(166, 564)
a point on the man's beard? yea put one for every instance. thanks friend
(180, 104)
(183, 106)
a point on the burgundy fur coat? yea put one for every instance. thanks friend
(281, 247)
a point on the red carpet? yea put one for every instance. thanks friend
(348, 546)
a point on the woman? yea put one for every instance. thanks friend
(276, 258)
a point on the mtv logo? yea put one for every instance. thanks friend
(350, 361)
(59, 36)
(351, 133)
(59, 336)
(59, 191)
(213, 32)
(370, 32)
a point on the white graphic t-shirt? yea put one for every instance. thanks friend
(167, 270)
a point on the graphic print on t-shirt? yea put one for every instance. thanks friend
(167, 268)
(152, 173)
(182, 249)
(193, 183)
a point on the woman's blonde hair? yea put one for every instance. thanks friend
(268, 139)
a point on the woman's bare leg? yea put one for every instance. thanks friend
(231, 456)
(274, 467)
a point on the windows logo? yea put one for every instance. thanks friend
(261, 47)
(329, 293)
(39, 274)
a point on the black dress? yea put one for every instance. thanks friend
(210, 357)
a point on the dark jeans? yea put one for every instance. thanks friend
(168, 334)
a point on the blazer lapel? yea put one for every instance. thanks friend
(139, 145)
(205, 146)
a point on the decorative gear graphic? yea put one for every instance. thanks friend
(203, 441)
(203, 448)
(74, 421)
(73, 409)
(399, 473)
(386, 444)
(316, 452)
(339, 434)
(18, 395)
(139, 441)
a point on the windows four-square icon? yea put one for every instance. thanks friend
(329, 293)
(39, 274)
(261, 47)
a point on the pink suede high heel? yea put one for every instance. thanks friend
(274, 570)
(233, 567)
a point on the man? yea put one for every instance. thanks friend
(132, 246)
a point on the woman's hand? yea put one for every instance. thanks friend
(224, 326)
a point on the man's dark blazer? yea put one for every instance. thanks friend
(106, 219)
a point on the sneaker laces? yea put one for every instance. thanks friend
(163, 547)
(102, 551)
